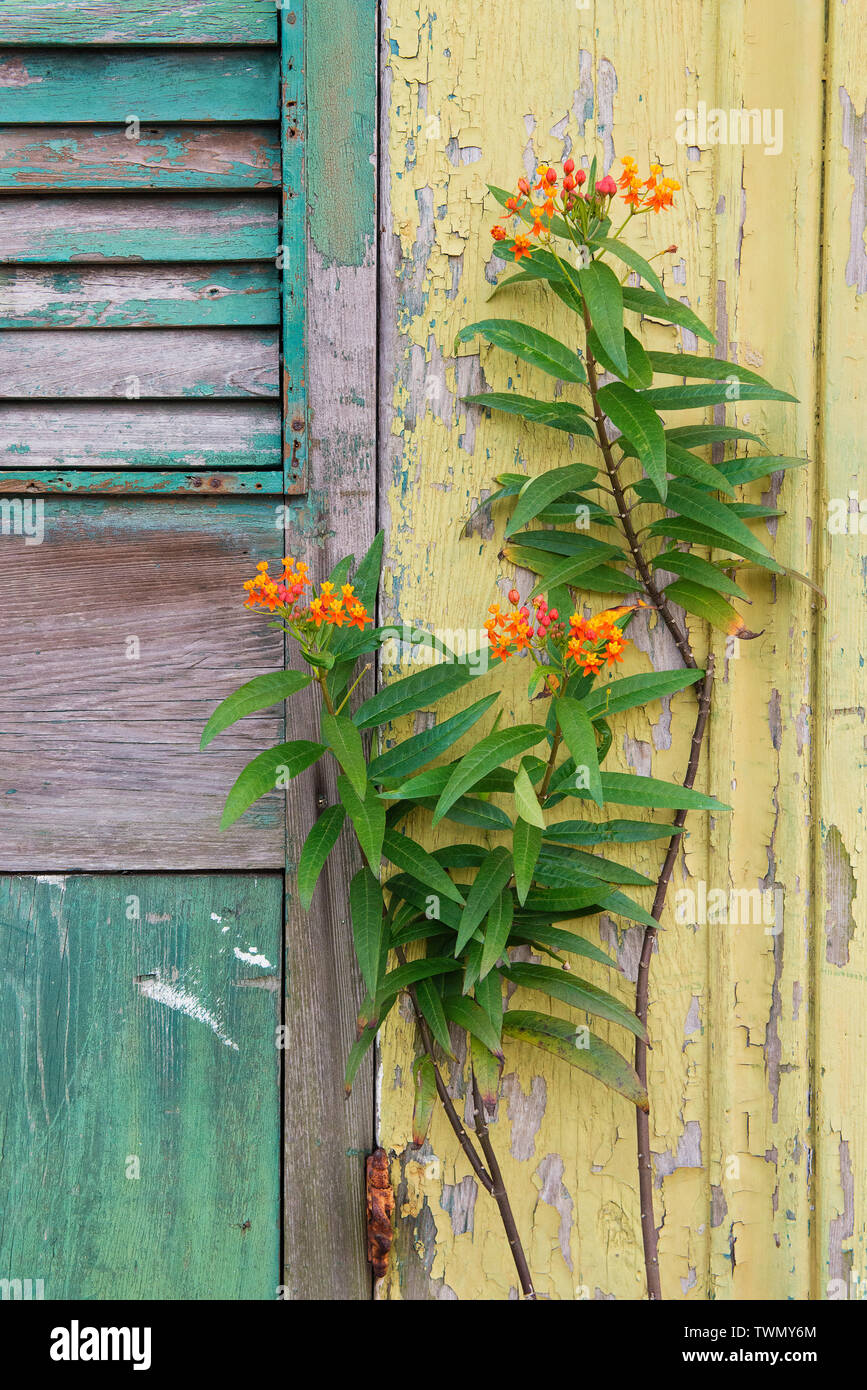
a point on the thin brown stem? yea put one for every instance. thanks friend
(499, 1194)
(555, 745)
(642, 995)
(657, 597)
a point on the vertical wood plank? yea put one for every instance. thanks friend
(327, 1136)
(291, 258)
(140, 1095)
(840, 523)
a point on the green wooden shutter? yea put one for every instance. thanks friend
(153, 446)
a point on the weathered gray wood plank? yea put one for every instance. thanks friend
(326, 1137)
(90, 85)
(117, 227)
(122, 630)
(139, 21)
(137, 297)
(167, 156)
(159, 362)
(141, 434)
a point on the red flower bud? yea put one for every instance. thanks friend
(551, 176)
(568, 166)
(553, 614)
(606, 186)
(670, 250)
(569, 183)
(514, 596)
(524, 612)
(523, 186)
(581, 177)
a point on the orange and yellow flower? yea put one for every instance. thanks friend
(284, 593)
(659, 192)
(593, 641)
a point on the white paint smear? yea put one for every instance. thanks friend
(252, 957)
(183, 1002)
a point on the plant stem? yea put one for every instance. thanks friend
(660, 602)
(642, 995)
(555, 745)
(500, 1195)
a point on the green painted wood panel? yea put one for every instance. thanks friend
(195, 296)
(140, 1085)
(101, 481)
(89, 85)
(139, 21)
(120, 227)
(293, 135)
(171, 156)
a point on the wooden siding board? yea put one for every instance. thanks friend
(140, 434)
(68, 85)
(245, 157)
(139, 21)
(137, 297)
(38, 481)
(134, 1034)
(293, 261)
(119, 227)
(155, 363)
(100, 751)
(327, 1137)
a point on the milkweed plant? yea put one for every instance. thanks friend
(649, 522)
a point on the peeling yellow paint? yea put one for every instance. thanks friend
(744, 1023)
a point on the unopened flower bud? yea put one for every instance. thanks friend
(514, 596)
(581, 177)
(568, 166)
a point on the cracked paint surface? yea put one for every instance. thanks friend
(759, 1147)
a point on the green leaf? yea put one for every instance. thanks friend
(368, 817)
(681, 529)
(469, 810)
(431, 1006)
(498, 924)
(683, 464)
(715, 515)
(317, 847)
(747, 470)
(467, 1014)
(557, 415)
(561, 984)
(580, 1048)
(526, 843)
(530, 344)
(424, 1081)
(283, 762)
(604, 579)
(631, 414)
(344, 740)
(611, 832)
(700, 571)
(488, 993)
(625, 253)
(696, 436)
(547, 488)
(526, 801)
(487, 1069)
(256, 694)
(548, 901)
(706, 603)
(556, 939)
(410, 857)
(418, 691)
(411, 973)
(567, 571)
(489, 753)
(630, 691)
(401, 761)
(640, 371)
(357, 1053)
(710, 393)
(604, 299)
(713, 368)
(560, 866)
(630, 789)
(366, 907)
(657, 306)
(580, 739)
(494, 874)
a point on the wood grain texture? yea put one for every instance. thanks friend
(326, 1136)
(138, 434)
(99, 748)
(169, 156)
(156, 363)
(838, 920)
(139, 21)
(293, 138)
(135, 297)
(140, 1085)
(732, 1070)
(81, 85)
(36, 481)
(120, 227)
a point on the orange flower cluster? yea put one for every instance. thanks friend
(659, 192)
(514, 632)
(549, 186)
(595, 640)
(286, 590)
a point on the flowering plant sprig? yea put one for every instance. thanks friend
(442, 926)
